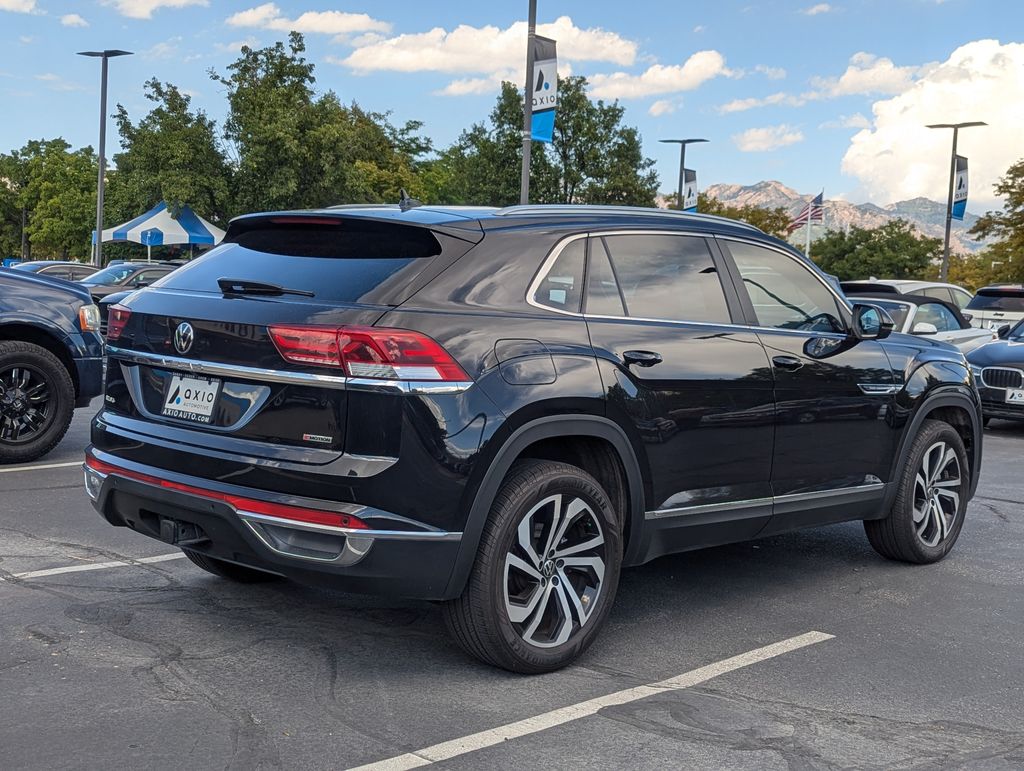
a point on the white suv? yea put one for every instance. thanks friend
(951, 293)
(997, 305)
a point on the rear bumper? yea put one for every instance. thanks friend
(394, 557)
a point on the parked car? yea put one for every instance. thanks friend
(475, 406)
(994, 306)
(108, 302)
(920, 315)
(69, 271)
(124, 275)
(998, 369)
(51, 361)
(874, 287)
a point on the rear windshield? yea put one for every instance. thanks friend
(337, 260)
(997, 300)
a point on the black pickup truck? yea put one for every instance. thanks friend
(51, 361)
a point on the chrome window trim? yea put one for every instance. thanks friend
(750, 503)
(557, 250)
(1019, 373)
(340, 382)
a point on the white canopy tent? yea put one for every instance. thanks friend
(158, 227)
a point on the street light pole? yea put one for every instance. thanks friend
(944, 271)
(682, 163)
(524, 184)
(104, 56)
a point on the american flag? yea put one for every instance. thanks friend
(812, 212)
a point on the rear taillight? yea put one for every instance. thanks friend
(117, 318)
(369, 352)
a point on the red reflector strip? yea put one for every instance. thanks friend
(240, 503)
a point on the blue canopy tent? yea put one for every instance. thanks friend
(158, 227)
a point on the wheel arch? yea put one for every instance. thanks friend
(27, 332)
(953, 405)
(540, 438)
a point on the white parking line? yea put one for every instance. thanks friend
(98, 566)
(484, 739)
(39, 467)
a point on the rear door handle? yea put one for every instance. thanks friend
(641, 358)
(788, 363)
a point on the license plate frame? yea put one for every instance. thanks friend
(191, 398)
(1015, 396)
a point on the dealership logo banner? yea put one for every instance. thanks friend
(689, 190)
(544, 88)
(960, 188)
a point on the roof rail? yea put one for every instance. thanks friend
(526, 210)
(364, 206)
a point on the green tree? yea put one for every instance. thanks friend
(1006, 226)
(894, 250)
(172, 154)
(11, 212)
(775, 221)
(58, 194)
(294, 148)
(593, 157)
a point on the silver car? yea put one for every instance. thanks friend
(928, 317)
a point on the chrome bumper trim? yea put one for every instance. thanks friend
(260, 374)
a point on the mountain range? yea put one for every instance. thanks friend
(928, 216)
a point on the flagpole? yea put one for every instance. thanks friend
(524, 182)
(807, 250)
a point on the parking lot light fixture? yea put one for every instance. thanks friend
(104, 56)
(944, 273)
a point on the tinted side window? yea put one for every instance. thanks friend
(562, 286)
(603, 298)
(784, 293)
(960, 298)
(668, 277)
(939, 315)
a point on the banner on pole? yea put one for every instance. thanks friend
(960, 188)
(689, 190)
(544, 89)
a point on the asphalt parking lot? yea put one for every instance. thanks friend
(152, 663)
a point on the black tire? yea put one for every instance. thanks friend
(480, 620)
(230, 570)
(21, 441)
(905, 533)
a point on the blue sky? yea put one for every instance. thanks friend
(817, 95)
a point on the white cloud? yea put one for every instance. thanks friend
(73, 20)
(486, 50)
(662, 107)
(26, 40)
(870, 74)
(699, 28)
(856, 121)
(486, 85)
(48, 76)
(662, 79)
(55, 82)
(742, 105)
(760, 140)
(814, 10)
(899, 158)
(143, 9)
(18, 6)
(269, 16)
(166, 49)
(772, 73)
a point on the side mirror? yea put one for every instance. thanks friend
(140, 282)
(871, 322)
(968, 317)
(1003, 331)
(924, 328)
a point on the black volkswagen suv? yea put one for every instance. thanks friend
(500, 408)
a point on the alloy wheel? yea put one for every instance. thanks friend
(26, 404)
(937, 494)
(554, 570)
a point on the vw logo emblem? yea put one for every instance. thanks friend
(183, 337)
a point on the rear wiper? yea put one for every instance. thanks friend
(243, 286)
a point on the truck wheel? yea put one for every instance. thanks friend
(928, 513)
(229, 570)
(546, 571)
(37, 401)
